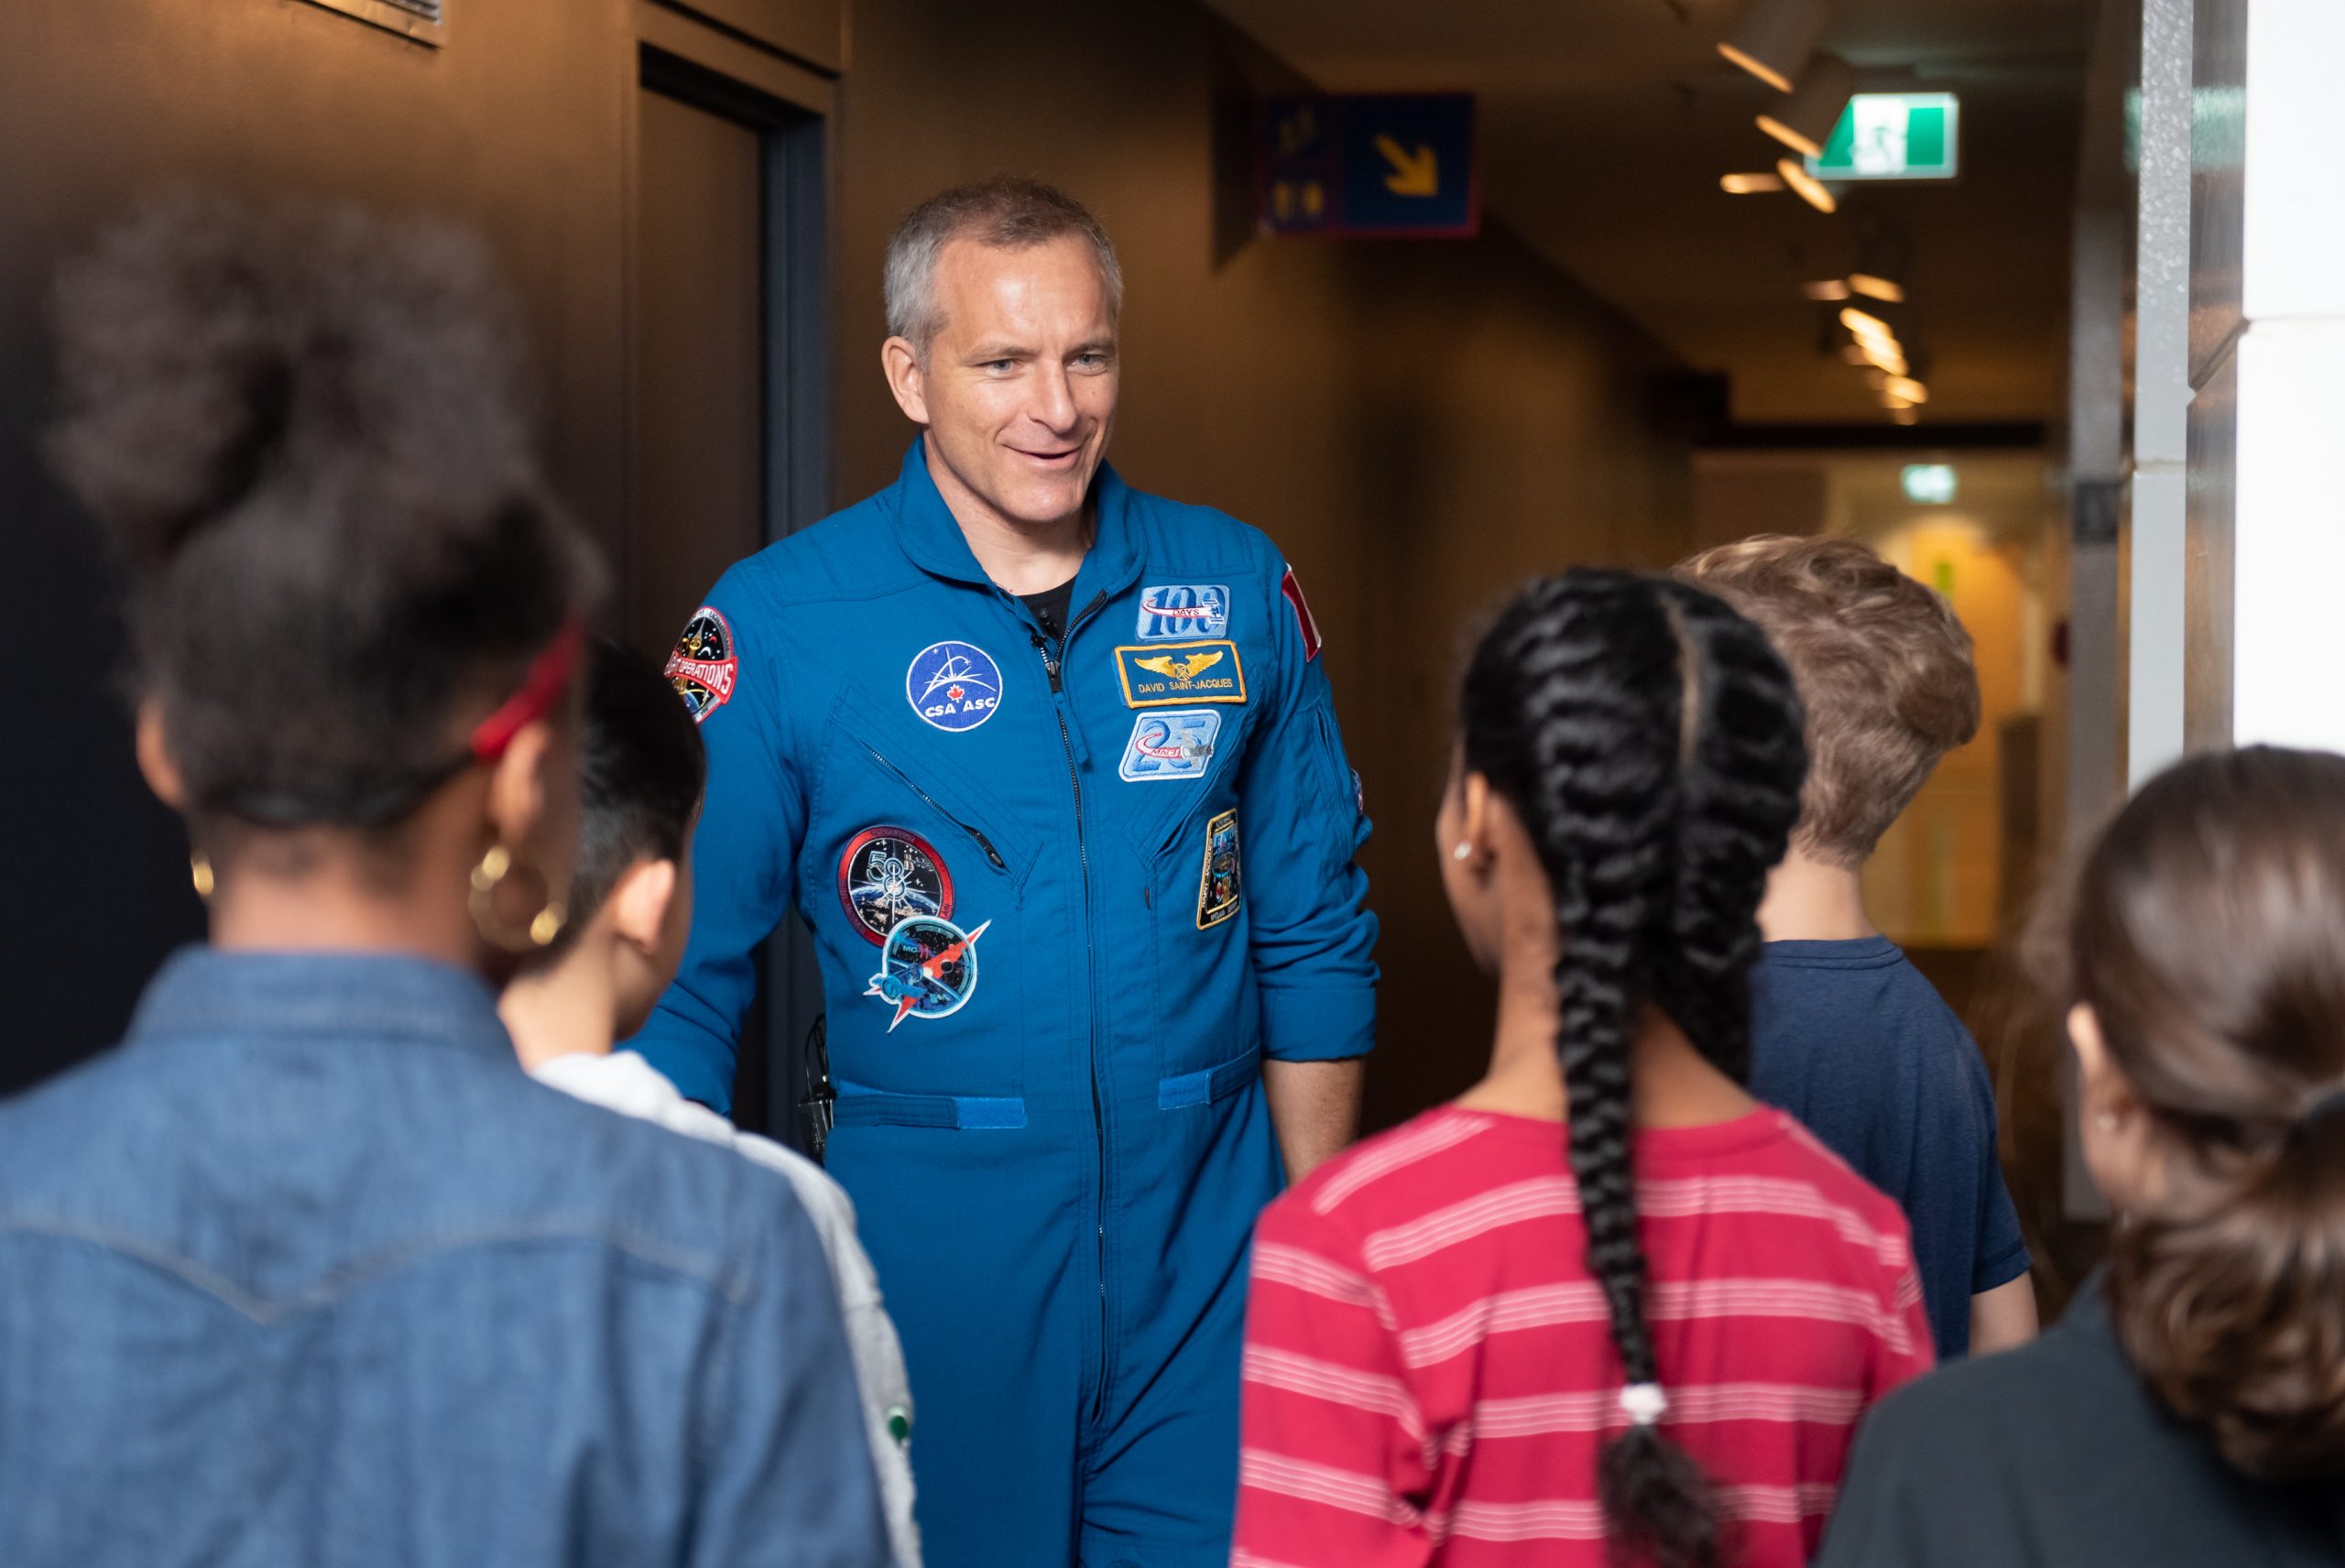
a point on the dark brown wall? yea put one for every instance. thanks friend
(515, 127)
(1419, 424)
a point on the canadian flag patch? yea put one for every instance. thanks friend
(1303, 621)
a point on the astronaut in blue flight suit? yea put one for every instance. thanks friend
(1051, 768)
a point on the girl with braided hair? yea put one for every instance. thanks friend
(1604, 1308)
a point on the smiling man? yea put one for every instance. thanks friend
(1051, 770)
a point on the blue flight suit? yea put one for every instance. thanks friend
(1064, 903)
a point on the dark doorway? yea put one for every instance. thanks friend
(727, 417)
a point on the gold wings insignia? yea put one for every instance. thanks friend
(1180, 669)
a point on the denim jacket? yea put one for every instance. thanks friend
(311, 1273)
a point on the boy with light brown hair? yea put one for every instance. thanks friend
(1846, 1033)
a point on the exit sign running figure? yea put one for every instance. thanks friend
(1892, 135)
(1367, 164)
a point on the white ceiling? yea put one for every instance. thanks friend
(1605, 124)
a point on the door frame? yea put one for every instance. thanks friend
(789, 106)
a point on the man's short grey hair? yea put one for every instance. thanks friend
(1005, 212)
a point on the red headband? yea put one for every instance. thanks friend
(541, 689)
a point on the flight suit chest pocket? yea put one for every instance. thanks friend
(912, 881)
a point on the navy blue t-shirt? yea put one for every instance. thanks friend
(1851, 1039)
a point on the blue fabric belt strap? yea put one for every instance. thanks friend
(859, 1106)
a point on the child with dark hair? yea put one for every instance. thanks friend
(1604, 1306)
(641, 773)
(308, 1271)
(1846, 1033)
(2190, 1408)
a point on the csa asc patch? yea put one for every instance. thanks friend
(1165, 674)
(1218, 892)
(704, 665)
(928, 968)
(887, 876)
(1171, 610)
(953, 685)
(1171, 746)
(1303, 621)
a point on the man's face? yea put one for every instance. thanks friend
(1018, 389)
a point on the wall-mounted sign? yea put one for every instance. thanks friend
(1892, 135)
(1363, 164)
(422, 20)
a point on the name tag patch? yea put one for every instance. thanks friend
(1168, 674)
(1173, 610)
(1173, 745)
(1218, 892)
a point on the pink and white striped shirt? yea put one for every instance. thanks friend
(1430, 1370)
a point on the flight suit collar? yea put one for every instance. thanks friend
(931, 536)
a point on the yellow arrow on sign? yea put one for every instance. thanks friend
(1417, 174)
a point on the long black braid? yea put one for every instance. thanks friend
(1650, 738)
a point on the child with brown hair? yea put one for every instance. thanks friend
(1846, 1033)
(2190, 1405)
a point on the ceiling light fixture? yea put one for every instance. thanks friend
(1905, 386)
(1829, 289)
(1774, 38)
(1811, 189)
(1749, 184)
(1803, 124)
(1865, 324)
(1880, 289)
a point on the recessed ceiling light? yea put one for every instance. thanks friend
(1811, 189)
(1749, 184)
(1880, 289)
(1865, 324)
(1831, 288)
(1817, 106)
(1905, 386)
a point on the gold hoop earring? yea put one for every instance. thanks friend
(486, 877)
(199, 871)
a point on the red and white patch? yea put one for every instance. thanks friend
(705, 663)
(1303, 621)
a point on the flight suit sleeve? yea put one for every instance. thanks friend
(1301, 821)
(745, 855)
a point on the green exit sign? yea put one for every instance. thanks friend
(1892, 135)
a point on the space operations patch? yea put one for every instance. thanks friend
(705, 663)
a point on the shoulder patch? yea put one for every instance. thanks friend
(1303, 621)
(705, 663)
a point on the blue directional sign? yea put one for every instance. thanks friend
(1365, 164)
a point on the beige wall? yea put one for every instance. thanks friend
(1420, 425)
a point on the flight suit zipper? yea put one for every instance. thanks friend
(983, 843)
(1054, 667)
